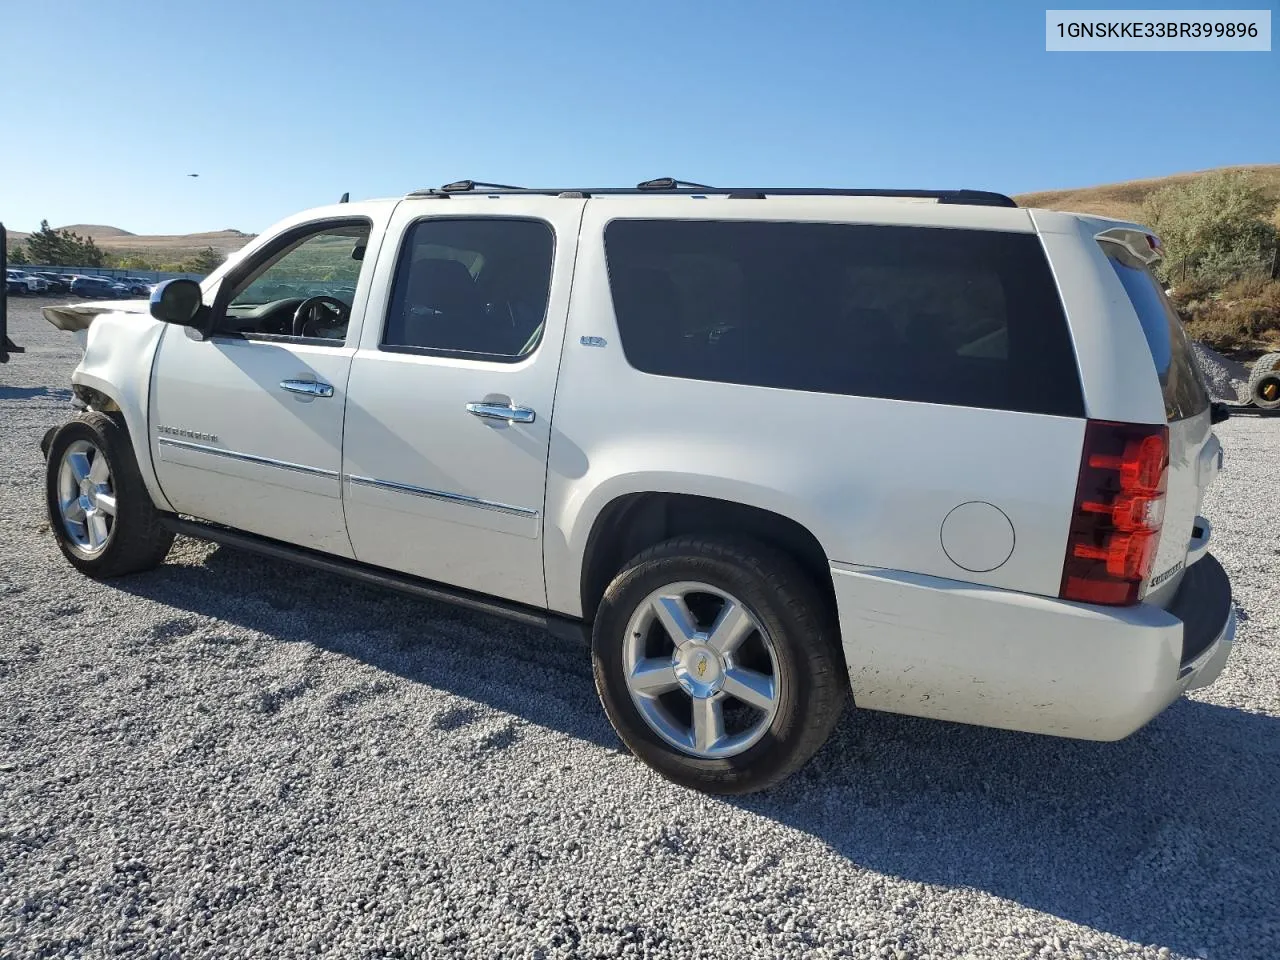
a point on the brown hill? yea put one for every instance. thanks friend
(175, 246)
(95, 231)
(1124, 200)
(164, 247)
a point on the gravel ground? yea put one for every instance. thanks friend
(235, 757)
(1228, 379)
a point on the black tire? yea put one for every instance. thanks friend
(1264, 382)
(137, 540)
(811, 680)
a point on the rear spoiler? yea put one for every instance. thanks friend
(7, 346)
(1143, 245)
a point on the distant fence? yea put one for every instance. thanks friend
(154, 276)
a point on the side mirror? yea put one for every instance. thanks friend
(1218, 412)
(177, 301)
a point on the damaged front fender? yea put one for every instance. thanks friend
(119, 339)
(76, 318)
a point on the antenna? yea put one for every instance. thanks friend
(346, 197)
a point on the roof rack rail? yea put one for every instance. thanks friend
(466, 186)
(671, 183)
(672, 187)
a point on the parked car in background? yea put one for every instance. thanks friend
(15, 284)
(133, 286)
(27, 282)
(57, 282)
(103, 287)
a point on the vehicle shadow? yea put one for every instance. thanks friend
(32, 393)
(1157, 839)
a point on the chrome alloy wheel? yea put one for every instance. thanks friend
(701, 669)
(86, 497)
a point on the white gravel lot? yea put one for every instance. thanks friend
(1228, 379)
(233, 757)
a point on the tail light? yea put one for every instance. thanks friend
(1119, 508)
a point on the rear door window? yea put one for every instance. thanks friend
(472, 288)
(960, 317)
(1181, 379)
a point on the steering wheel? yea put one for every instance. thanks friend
(308, 317)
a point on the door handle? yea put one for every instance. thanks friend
(501, 411)
(310, 388)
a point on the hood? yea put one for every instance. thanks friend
(78, 316)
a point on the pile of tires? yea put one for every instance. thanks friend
(1264, 382)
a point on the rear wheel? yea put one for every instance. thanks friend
(717, 663)
(1264, 382)
(99, 509)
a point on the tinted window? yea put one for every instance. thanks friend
(962, 317)
(475, 287)
(1181, 379)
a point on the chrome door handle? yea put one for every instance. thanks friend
(311, 388)
(501, 411)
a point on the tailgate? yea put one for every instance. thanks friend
(1195, 455)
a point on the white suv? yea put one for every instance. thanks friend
(765, 445)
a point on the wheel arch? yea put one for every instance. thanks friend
(633, 522)
(114, 377)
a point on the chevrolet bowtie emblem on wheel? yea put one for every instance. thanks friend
(702, 666)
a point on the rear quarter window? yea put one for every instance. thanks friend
(959, 317)
(1181, 380)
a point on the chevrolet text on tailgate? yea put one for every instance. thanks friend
(766, 446)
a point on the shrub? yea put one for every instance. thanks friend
(203, 261)
(1248, 311)
(1246, 287)
(1215, 228)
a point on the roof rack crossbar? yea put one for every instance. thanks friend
(983, 198)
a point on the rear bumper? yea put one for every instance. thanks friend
(939, 648)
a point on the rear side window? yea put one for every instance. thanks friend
(1181, 379)
(476, 288)
(961, 317)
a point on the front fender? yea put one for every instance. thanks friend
(115, 371)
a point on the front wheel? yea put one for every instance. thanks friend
(99, 508)
(718, 664)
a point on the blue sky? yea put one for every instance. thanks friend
(284, 104)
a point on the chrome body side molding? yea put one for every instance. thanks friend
(444, 495)
(246, 457)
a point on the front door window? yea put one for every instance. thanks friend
(304, 290)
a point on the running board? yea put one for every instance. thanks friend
(380, 577)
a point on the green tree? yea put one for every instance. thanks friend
(130, 261)
(62, 248)
(203, 261)
(17, 255)
(45, 245)
(1215, 228)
